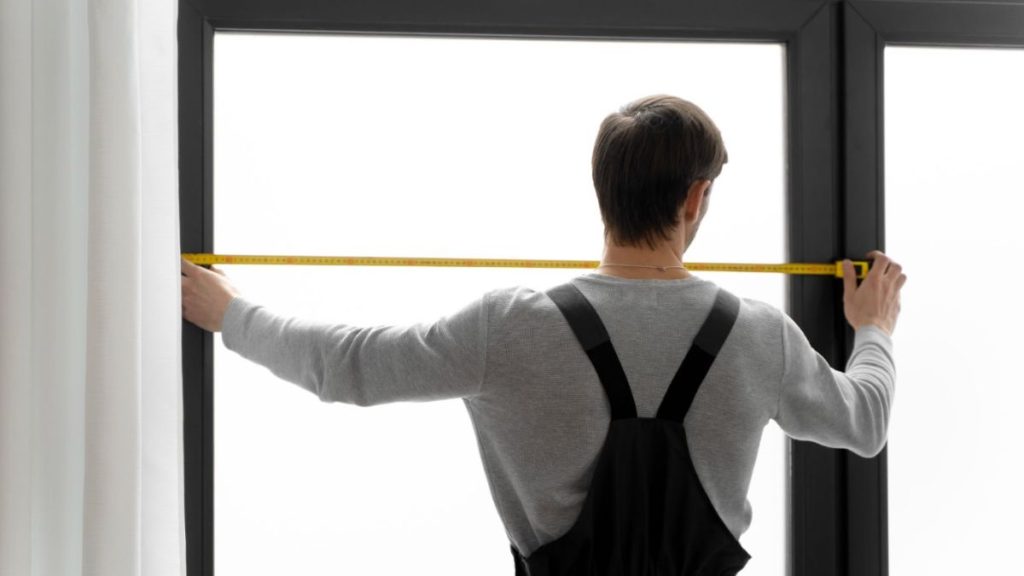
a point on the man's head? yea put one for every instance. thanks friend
(647, 157)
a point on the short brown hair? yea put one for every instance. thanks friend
(646, 157)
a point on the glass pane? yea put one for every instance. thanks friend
(402, 146)
(953, 153)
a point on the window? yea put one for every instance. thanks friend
(399, 146)
(953, 153)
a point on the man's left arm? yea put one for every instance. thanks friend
(341, 363)
(365, 365)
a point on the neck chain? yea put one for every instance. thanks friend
(662, 268)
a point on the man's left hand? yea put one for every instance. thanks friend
(205, 295)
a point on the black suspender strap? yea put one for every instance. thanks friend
(695, 366)
(591, 333)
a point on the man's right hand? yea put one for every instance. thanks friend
(877, 300)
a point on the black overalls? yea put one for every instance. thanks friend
(646, 513)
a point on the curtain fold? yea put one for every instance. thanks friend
(91, 463)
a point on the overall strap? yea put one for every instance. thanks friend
(702, 353)
(591, 333)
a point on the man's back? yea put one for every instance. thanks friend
(541, 415)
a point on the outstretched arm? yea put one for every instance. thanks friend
(341, 363)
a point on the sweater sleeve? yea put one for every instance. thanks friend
(365, 366)
(840, 410)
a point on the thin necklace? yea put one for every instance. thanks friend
(662, 268)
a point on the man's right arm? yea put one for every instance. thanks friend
(847, 410)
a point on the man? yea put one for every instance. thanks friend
(543, 383)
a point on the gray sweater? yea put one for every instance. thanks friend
(536, 403)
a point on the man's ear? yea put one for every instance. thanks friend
(698, 190)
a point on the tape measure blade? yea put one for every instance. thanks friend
(789, 268)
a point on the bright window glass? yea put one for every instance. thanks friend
(954, 147)
(420, 146)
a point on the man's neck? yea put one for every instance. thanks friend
(641, 263)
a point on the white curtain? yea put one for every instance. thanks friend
(91, 466)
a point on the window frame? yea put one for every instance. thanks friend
(868, 26)
(836, 508)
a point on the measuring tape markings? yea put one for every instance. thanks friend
(835, 269)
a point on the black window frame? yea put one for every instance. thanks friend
(868, 26)
(836, 501)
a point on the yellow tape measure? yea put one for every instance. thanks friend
(835, 269)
